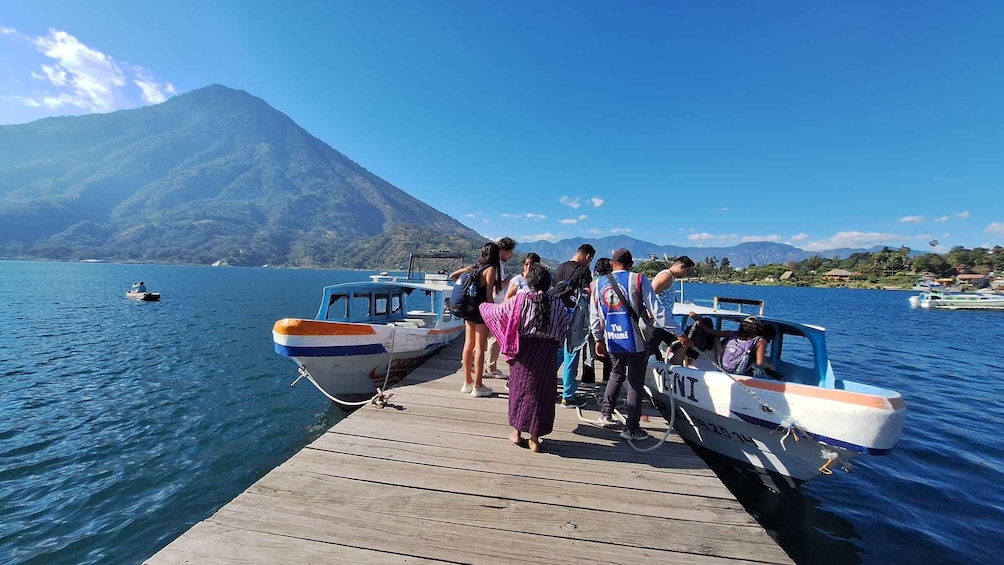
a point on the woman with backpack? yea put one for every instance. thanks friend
(747, 350)
(486, 277)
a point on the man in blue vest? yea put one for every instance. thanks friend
(621, 314)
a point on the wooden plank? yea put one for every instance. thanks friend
(312, 502)
(517, 462)
(215, 542)
(638, 500)
(434, 479)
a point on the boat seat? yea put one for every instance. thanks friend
(418, 322)
(404, 324)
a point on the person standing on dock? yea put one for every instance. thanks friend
(507, 246)
(662, 284)
(530, 327)
(575, 272)
(622, 328)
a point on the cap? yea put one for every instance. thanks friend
(622, 256)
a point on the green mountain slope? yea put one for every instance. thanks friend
(212, 174)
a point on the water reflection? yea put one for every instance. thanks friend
(795, 519)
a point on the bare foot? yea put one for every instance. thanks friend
(534, 444)
(515, 437)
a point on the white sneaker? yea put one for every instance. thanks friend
(481, 392)
(466, 388)
(606, 421)
(495, 374)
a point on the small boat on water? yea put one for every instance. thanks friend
(958, 300)
(143, 296)
(806, 423)
(369, 335)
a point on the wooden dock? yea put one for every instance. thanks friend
(434, 479)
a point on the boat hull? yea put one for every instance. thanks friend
(751, 422)
(969, 301)
(349, 360)
(143, 296)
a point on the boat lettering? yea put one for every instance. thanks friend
(723, 432)
(680, 388)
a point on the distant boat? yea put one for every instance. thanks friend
(364, 337)
(143, 296)
(958, 300)
(90, 260)
(927, 286)
(221, 263)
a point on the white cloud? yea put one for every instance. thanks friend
(923, 236)
(583, 217)
(996, 227)
(749, 238)
(911, 220)
(621, 230)
(536, 237)
(525, 216)
(153, 92)
(962, 215)
(568, 221)
(941, 219)
(473, 216)
(532, 216)
(595, 230)
(705, 237)
(485, 220)
(79, 76)
(596, 201)
(570, 202)
(854, 239)
(799, 237)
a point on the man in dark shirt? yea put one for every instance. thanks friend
(577, 272)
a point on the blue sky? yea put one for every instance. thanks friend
(819, 124)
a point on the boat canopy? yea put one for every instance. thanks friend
(797, 352)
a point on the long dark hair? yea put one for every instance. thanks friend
(490, 258)
(538, 278)
(749, 329)
(602, 267)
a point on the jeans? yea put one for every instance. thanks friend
(569, 370)
(630, 367)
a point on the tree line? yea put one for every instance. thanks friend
(885, 267)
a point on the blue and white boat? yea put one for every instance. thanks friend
(958, 300)
(369, 335)
(802, 424)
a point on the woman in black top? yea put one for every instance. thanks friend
(475, 331)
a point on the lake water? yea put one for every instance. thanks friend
(123, 423)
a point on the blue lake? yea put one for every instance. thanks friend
(123, 423)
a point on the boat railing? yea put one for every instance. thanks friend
(720, 301)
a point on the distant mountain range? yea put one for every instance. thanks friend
(742, 255)
(214, 174)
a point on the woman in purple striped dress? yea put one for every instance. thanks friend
(529, 327)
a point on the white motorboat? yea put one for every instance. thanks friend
(143, 296)
(806, 423)
(369, 335)
(958, 300)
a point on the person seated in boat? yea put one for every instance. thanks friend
(704, 337)
(139, 287)
(746, 349)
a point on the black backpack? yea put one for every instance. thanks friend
(567, 291)
(463, 294)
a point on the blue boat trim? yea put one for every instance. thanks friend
(820, 438)
(330, 351)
